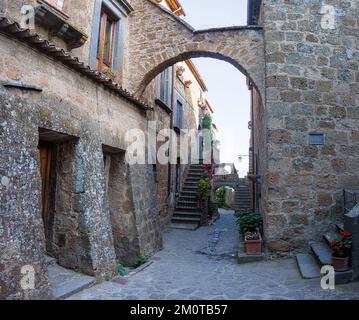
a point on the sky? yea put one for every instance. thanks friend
(227, 90)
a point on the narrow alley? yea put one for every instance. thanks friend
(202, 264)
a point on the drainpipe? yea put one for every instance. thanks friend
(252, 151)
(171, 126)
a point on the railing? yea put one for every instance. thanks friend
(351, 199)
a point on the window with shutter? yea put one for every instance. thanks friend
(164, 86)
(106, 40)
(178, 116)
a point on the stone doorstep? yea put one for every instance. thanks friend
(308, 267)
(139, 269)
(65, 283)
(322, 253)
(248, 258)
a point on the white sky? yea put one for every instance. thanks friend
(227, 89)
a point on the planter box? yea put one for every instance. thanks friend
(340, 264)
(253, 247)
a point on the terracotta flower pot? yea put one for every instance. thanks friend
(253, 247)
(340, 264)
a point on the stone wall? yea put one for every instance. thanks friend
(120, 202)
(312, 87)
(76, 106)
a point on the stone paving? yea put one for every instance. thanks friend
(202, 265)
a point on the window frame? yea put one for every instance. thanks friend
(106, 16)
(178, 117)
(119, 14)
(165, 84)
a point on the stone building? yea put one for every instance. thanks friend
(86, 206)
(66, 188)
(177, 92)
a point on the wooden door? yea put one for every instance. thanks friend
(46, 151)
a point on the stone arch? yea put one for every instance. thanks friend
(189, 55)
(157, 48)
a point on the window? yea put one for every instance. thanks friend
(316, 139)
(106, 41)
(178, 113)
(164, 86)
(108, 36)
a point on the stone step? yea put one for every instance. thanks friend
(191, 203)
(186, 214)
(196, 167)
(65, 283)
(193, 178)
(191, 183)
(330, 236)
(340, 227)
(184, 226)
(190, 209)
(322, 253)
(189, 198)
(184, 219)
(186, 188)
(308, 267)
(195, 173)
(185, 193)
(324, 257)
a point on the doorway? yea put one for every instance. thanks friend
(46, 150)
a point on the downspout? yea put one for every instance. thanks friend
(171, 127)
(252, 151)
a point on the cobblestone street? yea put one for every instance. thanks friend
(202, 265)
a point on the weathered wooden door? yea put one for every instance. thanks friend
(46, 151)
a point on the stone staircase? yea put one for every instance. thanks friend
(310, 265)
(187, 215)
(242, 198)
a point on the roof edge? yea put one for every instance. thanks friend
(12, 29)
(196, 74)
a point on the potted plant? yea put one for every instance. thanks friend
(249, 223)
(204, 189)
(253, 241)
(341, 251)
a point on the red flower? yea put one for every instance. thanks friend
(344, 234)
(332, 243)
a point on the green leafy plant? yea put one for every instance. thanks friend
(342, 245)
(141, 260)
(204, 189)
(220, 193)
(213, 208)
(249, 222)
(121, 270)
(207, 121)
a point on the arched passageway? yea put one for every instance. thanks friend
(152, 52)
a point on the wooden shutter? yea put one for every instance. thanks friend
(45, 150)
